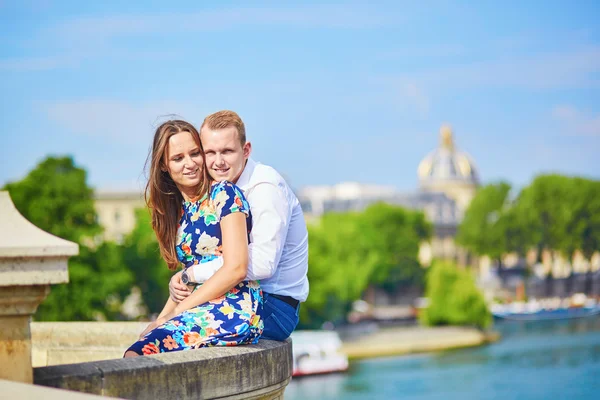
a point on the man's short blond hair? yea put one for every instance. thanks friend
(224, 119)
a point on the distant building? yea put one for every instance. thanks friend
(116, 213)
(448, 180)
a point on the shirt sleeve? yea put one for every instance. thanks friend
(203, 271)
(271, 218)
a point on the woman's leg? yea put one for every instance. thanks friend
(229, 320)
(130, 353)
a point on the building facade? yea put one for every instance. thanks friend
(116, 213)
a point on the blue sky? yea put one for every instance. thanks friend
(342, 91)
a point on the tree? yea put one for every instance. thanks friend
(350, 251)
(340, 266)
(55, 197)
(582, 220)
(142, 256)
(544, 208)
(98, 282)
(395, 235)
(489, 225)
(453, 298)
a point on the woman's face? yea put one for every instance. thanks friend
(184, 163)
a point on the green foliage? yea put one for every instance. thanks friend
(453, 298)
(55, 197)
(142, 256)
(544, 207)
(339, 267)
(582, 228)
(394, 236)
(98, 282)
(561, 213)
(350, 251)
(554, 212)
(484, 228)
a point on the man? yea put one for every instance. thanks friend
(278, 249)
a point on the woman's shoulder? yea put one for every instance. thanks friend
(229, 198)
(226, 186)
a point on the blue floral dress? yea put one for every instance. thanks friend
(229, 320)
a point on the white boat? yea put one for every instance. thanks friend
(554, 308)
(317, 352)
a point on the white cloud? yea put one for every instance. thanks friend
(577, 123)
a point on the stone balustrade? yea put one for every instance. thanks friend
(260, 371)
(30, 261)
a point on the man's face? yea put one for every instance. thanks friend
(225, 155)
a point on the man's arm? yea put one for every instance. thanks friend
(270, 218)
(198, 273)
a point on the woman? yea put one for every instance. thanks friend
(196, 221)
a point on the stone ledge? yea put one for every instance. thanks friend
(23, 391)
(258, 371)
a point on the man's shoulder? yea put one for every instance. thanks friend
(266, 174)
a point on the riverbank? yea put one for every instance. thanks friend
(417, 339)
(556, 359)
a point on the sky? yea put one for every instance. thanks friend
(329, 92)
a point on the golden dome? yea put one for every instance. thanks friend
(446, 137)
(446, 163)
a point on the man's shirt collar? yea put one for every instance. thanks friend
(244, 179)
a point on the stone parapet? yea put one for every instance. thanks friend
(75, 342)
(260, 371)
(30, 261)
(17, 390)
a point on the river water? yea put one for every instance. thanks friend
(533, 360)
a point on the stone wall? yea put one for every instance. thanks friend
(76, 342)
(260, 371)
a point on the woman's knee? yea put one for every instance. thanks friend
(130, 353)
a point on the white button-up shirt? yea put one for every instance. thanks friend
(278, 249)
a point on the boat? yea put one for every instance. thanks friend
(317, 352)
(545, 309)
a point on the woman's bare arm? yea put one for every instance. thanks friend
(235, 266)
(168, 308)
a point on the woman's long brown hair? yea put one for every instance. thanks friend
(162, 196)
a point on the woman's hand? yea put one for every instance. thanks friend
(177, 289)
(151, 326)
(155, 324)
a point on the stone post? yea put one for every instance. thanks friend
(30, 261)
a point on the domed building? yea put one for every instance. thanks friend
(450, 171)
(453, 173)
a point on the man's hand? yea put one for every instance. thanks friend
(177, 289)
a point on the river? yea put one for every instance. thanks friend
(533, 360)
